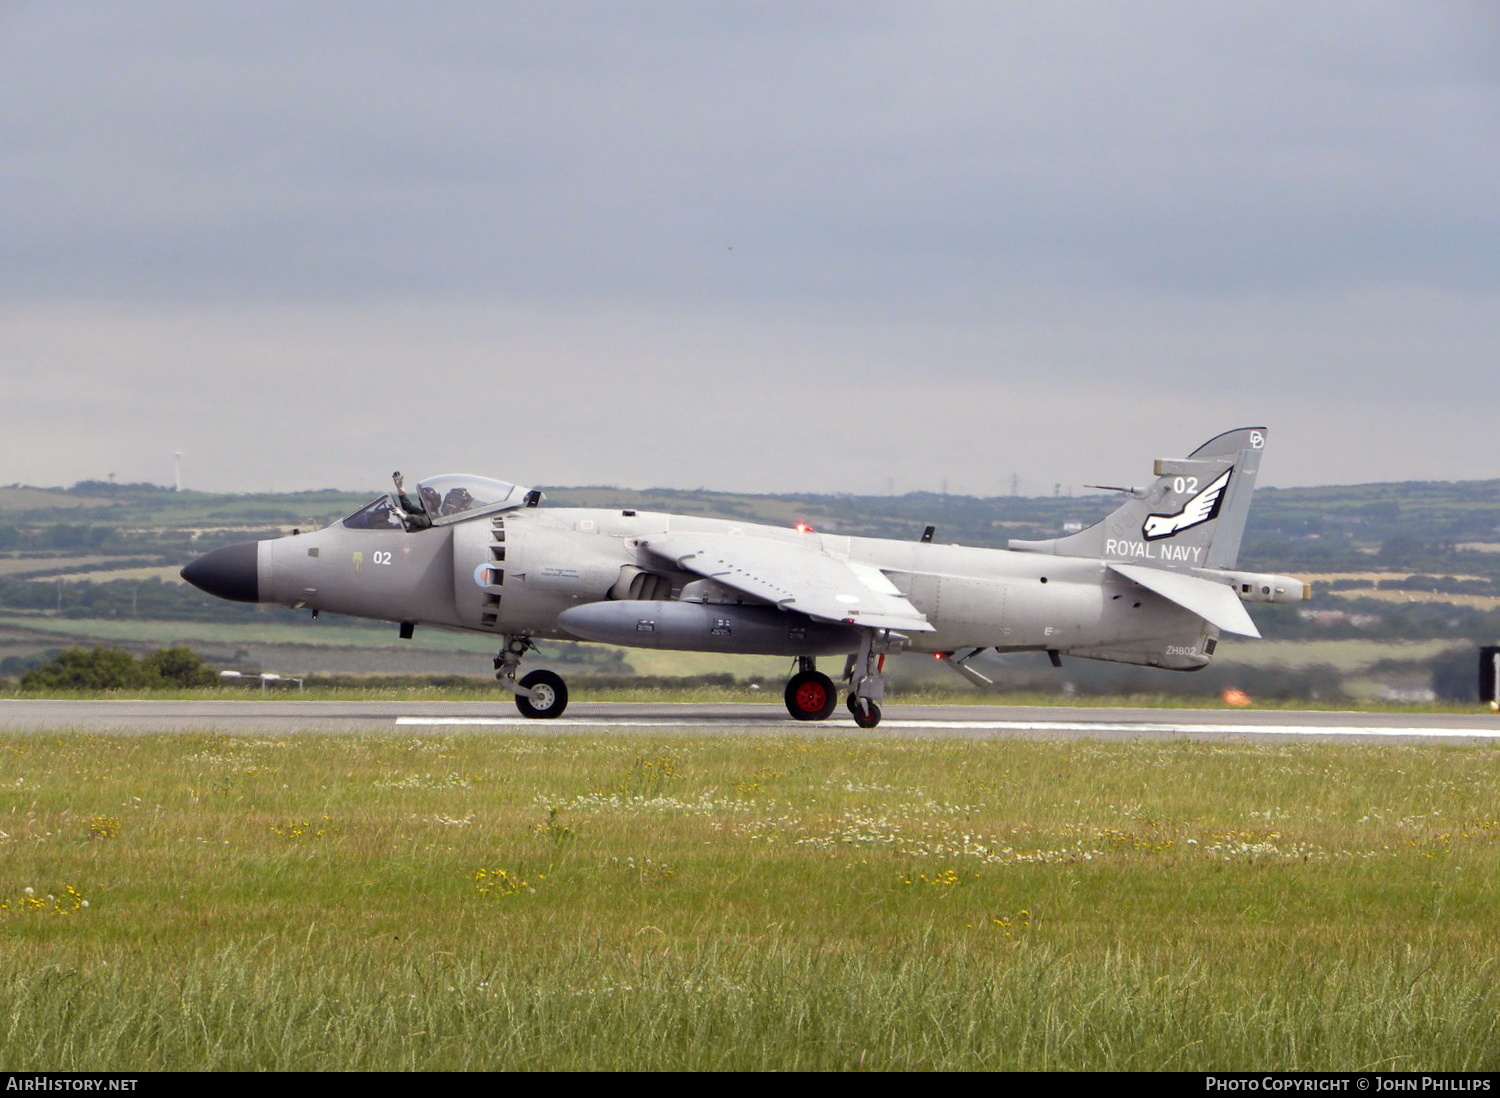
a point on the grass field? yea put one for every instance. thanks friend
(622, 902)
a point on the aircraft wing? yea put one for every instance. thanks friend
(1215, 603)
(800, 577)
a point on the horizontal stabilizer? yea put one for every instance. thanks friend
(1215, 603)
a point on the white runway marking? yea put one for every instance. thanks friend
(1102, 726)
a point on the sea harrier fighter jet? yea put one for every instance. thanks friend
(1153, 583)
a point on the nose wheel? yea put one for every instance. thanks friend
(547, 695)
(541, 694)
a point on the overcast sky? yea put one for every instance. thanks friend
(764, 246)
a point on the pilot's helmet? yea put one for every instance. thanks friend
(457, 500)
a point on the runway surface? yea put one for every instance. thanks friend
(289, 717)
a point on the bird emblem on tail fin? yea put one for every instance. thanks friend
(1201, 508)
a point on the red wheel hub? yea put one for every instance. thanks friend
(811, 697)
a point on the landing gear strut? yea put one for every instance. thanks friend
(865, 672)
(810, 694)
(541, 694)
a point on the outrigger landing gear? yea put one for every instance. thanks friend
(865, 672)
(810, 694)
(540, 694)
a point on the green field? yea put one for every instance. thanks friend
(333, 645)
(613, 901)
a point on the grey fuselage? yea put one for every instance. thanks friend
(517, 571)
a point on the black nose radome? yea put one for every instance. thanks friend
(229, 573)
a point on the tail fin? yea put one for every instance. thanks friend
(1193, 516)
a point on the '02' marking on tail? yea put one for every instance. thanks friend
(1204, 507)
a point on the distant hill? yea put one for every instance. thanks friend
(1402, 561)
(1431, 526)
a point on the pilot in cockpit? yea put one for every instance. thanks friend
(457, 501)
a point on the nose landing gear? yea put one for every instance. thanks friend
(541, 694)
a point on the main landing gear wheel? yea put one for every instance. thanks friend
(549, 695)
(810, 696)
(866, 713)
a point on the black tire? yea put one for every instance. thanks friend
(551, 699)
(866, 717)
(810, 696)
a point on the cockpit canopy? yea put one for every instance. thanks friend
(455, 496)
(452, 497)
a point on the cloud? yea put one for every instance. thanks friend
(758, 245)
